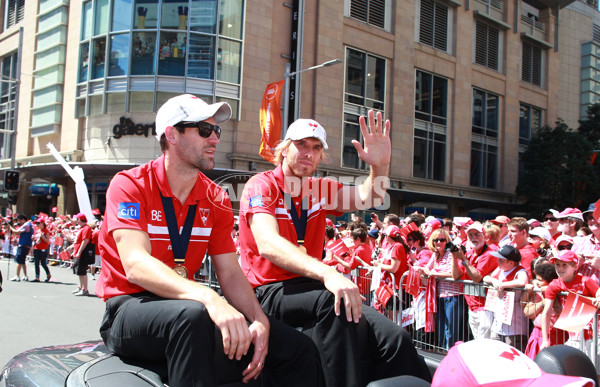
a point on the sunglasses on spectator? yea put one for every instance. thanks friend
(564, 247)
(204, 128)
(550, 219)
(439, 240)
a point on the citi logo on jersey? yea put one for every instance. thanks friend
(129, 211)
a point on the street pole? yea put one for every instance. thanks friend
(286, 88)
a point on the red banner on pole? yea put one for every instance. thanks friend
(270, 120)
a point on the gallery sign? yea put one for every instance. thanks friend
(126, 127)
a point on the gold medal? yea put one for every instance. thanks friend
(181, 271)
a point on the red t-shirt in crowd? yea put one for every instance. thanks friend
(580, 285)
(485, 263)
(84, 233)
(263, 193)
(528, 254)
(95, 237)
(40, 244)
(133, 202)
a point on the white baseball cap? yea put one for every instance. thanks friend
(187, 107)
(541, 232)
(305, 128)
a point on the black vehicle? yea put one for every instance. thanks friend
(91, 364)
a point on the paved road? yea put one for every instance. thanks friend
(40, 314)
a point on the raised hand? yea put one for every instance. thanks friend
(377, 150)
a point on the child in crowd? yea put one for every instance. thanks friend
(510, 274)
(565, 263)
(533, 305)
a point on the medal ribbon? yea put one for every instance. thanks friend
(299, 221)
(179, 242)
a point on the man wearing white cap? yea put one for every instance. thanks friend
(282, 227)
(588, 247)
(161, 218)
(570, 221)
(474, 266)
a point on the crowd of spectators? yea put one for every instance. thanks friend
(431, 259)
(49, 241)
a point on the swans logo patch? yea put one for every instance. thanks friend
(204, 214)
(129, 211)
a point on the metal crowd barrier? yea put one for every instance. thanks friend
(362, 277)
(206, 275)
(429, 340)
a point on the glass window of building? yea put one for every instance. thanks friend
(484, 139)
(121, 15)
(119, 55)
(8, 92)
(99, 62)
(203, 16)
(86, 21)
(530, 121)
(431, 106)
(364, 90)
(195, 40)
(143, 49)
(101, 17)
(145, 14)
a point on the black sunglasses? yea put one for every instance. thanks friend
(439, 240)
(564, 247)
(550, 219)
(204, 128)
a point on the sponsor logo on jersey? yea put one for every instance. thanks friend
(129, 211)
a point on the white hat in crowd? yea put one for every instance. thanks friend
(541, 232)
(305, 128)
(187, 107)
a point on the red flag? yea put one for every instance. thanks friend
(430, 304)
(270, 120)
(413, 282)
(408, 229)
(339, 248)
(383, 295)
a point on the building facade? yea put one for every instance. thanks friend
(464, 83)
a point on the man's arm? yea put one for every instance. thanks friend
(153, 275)
(239, 293)
(286, 255)
(376, 153)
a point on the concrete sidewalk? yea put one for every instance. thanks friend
(41, 314)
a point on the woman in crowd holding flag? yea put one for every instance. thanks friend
(450, 303)
(395, 255)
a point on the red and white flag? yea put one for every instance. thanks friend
(576, 314)
(270, 120)
(339, 248)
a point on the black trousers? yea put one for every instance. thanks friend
(351, 354)
(146, 327)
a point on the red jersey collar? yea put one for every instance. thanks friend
(160, 174)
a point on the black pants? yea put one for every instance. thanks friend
(351, 354)
(146, 327)
(39, 258)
